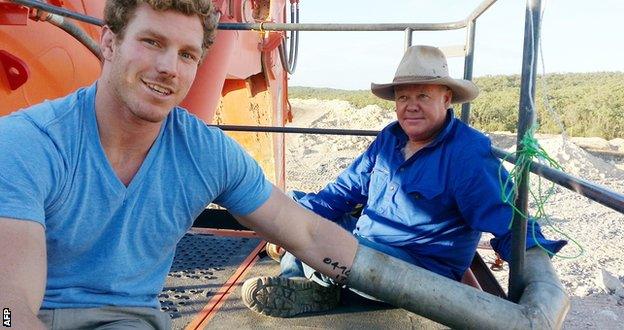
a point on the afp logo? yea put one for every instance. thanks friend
(6, 317)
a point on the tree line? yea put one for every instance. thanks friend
(584, 104)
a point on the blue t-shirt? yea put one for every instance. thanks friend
(108, 244)
(433, 205)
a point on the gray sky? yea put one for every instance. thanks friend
(577, 36)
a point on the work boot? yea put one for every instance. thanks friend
(286, 297)
(274, 251)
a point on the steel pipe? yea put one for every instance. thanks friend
(544, 298)
(468, 64)
(408, 38)
(526, 119)
(297, 130)
(544, 303)
(602, 195)
(343, 27)
(485, 5)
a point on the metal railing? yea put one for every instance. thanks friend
(266, 26)
(597, 193)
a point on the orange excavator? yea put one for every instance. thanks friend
(243, 81)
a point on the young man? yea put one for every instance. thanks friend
(429, 185)
(97, 188)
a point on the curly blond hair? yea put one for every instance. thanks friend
(117, 14)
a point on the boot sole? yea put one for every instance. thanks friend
(284, 297)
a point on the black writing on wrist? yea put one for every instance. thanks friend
(344, 271)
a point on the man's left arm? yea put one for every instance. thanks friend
(320, 243)
(348, 190)
(478, 192)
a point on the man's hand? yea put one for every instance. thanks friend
(23, 271)
(320, 243)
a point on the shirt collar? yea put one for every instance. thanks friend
(449, 123)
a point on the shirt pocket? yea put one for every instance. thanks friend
(378, 181)
(428, 203)
(422, 192)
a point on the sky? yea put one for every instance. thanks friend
(576, 36)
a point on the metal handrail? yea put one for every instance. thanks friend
(297, 130)
(600, 194)
(481, 8)
(265, 26)
(343, 26)
(597, 193)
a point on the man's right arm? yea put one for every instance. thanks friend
(348, 190)
(22, 271)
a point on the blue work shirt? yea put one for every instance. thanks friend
(434, 205)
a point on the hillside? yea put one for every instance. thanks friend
(588, 104)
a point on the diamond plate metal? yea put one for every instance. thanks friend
(202, 264)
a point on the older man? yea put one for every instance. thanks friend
(96, 188)
(429, 185)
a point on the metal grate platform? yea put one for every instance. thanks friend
(202, 264)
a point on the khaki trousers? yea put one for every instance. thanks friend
(105, 318)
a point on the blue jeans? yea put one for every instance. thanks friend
(293, 267)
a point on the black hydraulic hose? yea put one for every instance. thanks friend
(59, 11)
(56, 16)
(76, 32)
(294, 44)
(282, 55)
(289, 59)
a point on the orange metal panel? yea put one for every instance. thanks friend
(57, 63)
(248, 102)
(12, 14)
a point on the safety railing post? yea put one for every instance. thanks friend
(526, 119)
(408, 38)
(468, 64)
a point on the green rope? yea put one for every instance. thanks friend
(532, 150)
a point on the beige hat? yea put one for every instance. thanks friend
(426, 65)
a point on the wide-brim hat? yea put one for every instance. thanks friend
(426, 65)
